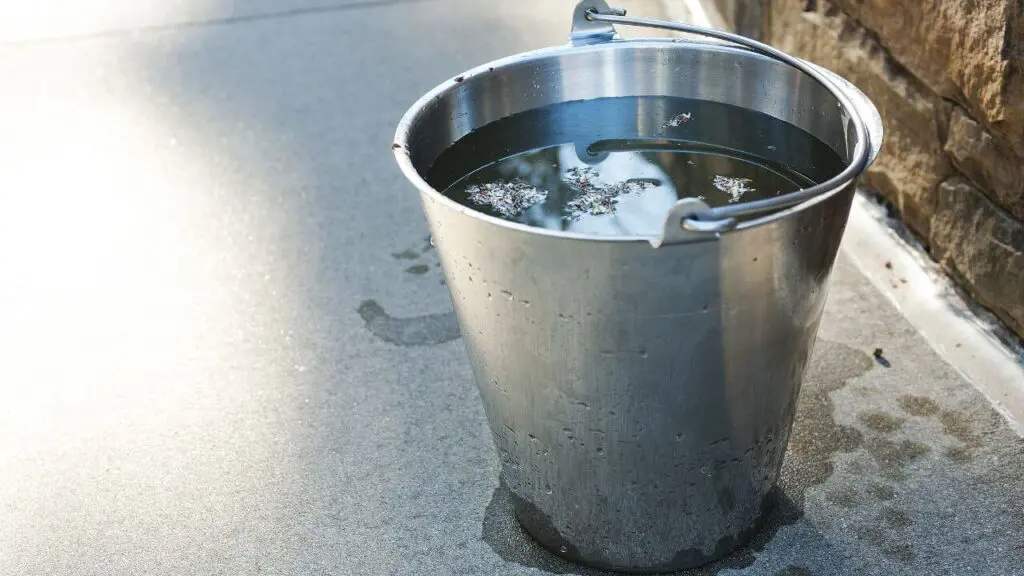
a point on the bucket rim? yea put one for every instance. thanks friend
(828, 188)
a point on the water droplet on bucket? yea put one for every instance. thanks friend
(547, 489)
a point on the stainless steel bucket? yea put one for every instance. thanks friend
(641, 391)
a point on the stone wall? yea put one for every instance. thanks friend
(948, 78)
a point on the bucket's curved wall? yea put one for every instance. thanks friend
(640, 398)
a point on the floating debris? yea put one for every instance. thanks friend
(733, 186)
(595, 198)
(678, 120)
(603, 200)
(509, 199)
(594, 204)
(581, 179)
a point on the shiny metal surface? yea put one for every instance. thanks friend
(640, 393)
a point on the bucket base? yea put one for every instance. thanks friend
(539, 526)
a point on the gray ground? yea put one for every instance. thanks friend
(227, 348)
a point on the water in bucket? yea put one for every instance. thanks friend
(595, 175)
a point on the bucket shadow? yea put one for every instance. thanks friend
(509, 540)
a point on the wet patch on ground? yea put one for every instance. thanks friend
(957, 424)
(423, 330)
(878, 537)
(881, 422)
(414, 252)
(816, 434)
(881, 492)
(895, 517)
(893, 457)
(407, 254)
(844, 496)
(918, 405)
(426, 330)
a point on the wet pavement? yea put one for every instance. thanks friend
(228, 348)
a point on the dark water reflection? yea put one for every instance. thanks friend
(617, 187)
(614, 166)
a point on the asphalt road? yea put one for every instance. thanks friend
(227, 349)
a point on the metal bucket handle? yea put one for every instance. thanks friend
(691, 219)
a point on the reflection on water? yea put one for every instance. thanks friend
(617, 187)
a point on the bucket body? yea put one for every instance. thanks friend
(640, 398)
